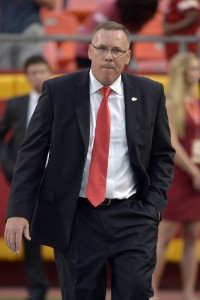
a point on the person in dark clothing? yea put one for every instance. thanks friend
(17, 114)
(102, 193)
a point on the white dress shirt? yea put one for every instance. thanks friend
(33, 101)
(120, 181)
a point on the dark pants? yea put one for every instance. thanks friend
(124, 234)
(35, 271)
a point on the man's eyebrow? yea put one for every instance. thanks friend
(104, 46)
(101, 45)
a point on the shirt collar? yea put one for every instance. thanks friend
(34, 95)
(95, 85)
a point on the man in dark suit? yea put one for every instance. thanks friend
(16, 117)
(102, 194)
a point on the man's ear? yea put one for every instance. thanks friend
(128, 57)
(89, 51)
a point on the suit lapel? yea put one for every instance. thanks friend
(81, 95)
(131, 98)
(81, 98)
(24, 112)
(21, 110)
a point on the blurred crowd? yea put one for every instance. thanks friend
(38, 18)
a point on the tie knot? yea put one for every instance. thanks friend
(105, 92)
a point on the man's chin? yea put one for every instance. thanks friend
(108, 72)
(108, 80)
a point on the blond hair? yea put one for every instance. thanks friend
(178, 88)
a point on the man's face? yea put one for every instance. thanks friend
(36, 74)
(106, 67)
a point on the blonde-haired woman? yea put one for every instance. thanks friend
(184, 196)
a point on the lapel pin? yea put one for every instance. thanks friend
(134, 99)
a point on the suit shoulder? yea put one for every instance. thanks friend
(144, 81)
(65, 79)
(16, 100)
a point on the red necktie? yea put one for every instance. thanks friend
(96, 186)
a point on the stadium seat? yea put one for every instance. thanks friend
(150, 56)
(82, 8)
(61, 55)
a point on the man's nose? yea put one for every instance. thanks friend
(109, 55)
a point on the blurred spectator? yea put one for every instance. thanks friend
(16, 117)
(131, 13)
(21, 17)
(183, 206)
(60, 5)
(182, 17)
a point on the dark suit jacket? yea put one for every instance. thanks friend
(61, 123)
(14, 119)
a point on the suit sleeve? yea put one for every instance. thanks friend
(6, 157)
(161, 164)
(31, 160)
(4, 126)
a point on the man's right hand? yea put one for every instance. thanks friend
(15, 228)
